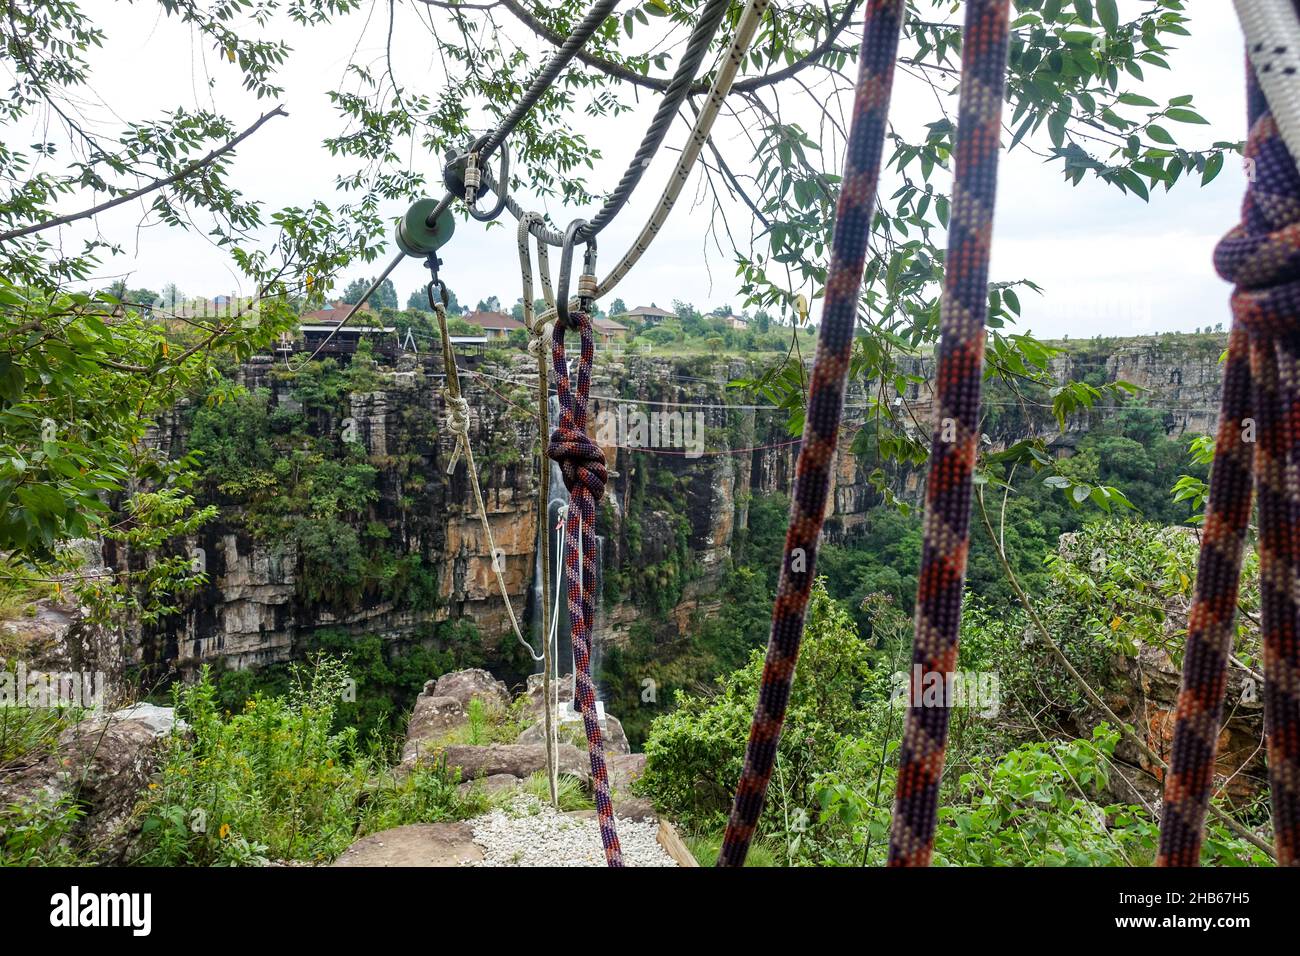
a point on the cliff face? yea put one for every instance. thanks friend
(677, 498)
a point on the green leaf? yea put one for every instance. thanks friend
(12, 380)
(1134, 99)
(1212, 167)
(1160, 134)
(1181, 115)
(1108, 13)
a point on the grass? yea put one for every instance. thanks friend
(35, 833)
(569, 792)
(484, 725)
(28, 733)
(275, 782)
(705, 846)
(427, 794)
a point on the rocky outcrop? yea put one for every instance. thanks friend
(468, 685)
(440, 713)
(685, 510)
(1141, 688)
(101, 766)
(53, 641)
(1144, 693)
(443, 706)
(418, 844)
(433, 719)
(516, 760)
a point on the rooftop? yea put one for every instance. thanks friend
(651, 310)
(333, 315)
(492, 320)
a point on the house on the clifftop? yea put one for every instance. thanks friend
(495, 325)
(323, 332)
(648, 314)
(608, 331)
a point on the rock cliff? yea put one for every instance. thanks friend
(685, 462)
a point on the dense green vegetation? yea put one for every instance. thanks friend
(876, 562)
(1020, 789)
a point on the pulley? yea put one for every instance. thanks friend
(416, 237)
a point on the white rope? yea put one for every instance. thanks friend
(1272, 31)
(539, 346)
(553, 644)
(726, 76)
(458, 424)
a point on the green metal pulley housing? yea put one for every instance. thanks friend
(416, 237)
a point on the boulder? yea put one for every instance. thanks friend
(572, 732)
(1144, 690)
(432, 719)
(103, 764)
(534, 707)
(533, 692)
(615, 738)
(467, 685)
(623, 770)
(417, 844)
(638, 809)
(517, 760)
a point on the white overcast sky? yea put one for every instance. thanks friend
(1109, 263)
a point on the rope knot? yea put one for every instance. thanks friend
(539, 344)
(581, 461)
(457, 424)
(1261, 255)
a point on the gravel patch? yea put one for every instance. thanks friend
(530, 833)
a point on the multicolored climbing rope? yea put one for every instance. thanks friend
(582, 464)
(1258, 437)
(956, 428)
(853, 216)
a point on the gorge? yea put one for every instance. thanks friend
(336, 517)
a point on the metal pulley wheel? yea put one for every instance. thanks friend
(416, 237)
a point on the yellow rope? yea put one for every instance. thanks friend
(459, 425)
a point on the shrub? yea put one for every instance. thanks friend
(276, 781)
(694, 754)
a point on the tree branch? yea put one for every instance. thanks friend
(618, 71)
(157, 184)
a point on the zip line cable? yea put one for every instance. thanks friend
(696, 49)
(550, 73)
(700, 130)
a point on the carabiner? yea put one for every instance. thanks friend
(571, 234)
(501, 186)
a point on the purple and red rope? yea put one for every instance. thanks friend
(582, 465)
(853, 216)
(1258, 440)
(956, 428)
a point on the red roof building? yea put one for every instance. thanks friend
(608, 331)
(495, 325)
